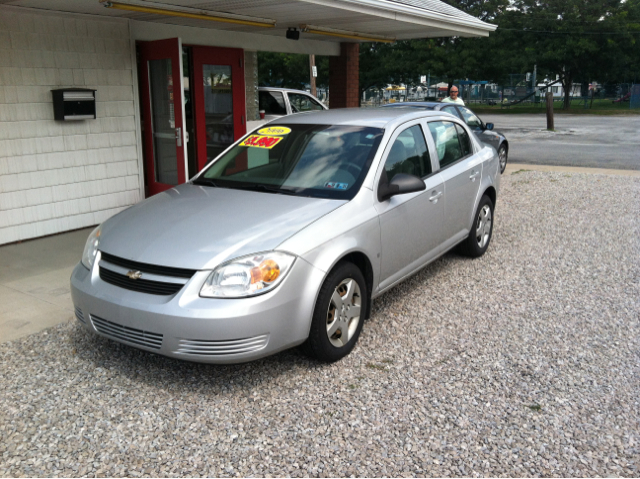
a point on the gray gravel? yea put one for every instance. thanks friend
(525, 362)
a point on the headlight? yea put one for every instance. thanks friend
(91, 248)
(247, 276)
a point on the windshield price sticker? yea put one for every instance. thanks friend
(275, 131)
(257, 141)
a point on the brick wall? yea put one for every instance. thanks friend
(344, 77)
(251, 84)
(57, 176)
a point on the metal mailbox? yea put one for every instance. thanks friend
(74, 104)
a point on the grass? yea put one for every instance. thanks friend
(535, 407)
(599, 107)
(376, 366)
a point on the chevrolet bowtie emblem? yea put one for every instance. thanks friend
(134, 274)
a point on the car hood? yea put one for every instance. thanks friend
(199, 227)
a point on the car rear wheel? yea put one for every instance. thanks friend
(503, 154)
(479, 237)
(338, 315)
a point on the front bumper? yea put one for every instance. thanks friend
(186, 326)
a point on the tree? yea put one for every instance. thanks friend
(290, 70)
(579, 40)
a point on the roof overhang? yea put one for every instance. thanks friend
(263, 24)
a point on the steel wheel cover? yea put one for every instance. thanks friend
(483, 226)
(343, 313)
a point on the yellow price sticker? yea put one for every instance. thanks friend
(275, 131)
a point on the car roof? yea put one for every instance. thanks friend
(292, 90)
(372, 117)
(430, 105)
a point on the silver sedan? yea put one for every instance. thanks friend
(288, 235)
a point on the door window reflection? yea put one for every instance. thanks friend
(163, 121)
(218, 108)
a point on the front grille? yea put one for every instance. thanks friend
(125, 333)
(148, 268)
(79, 315)
(140, 285)
(200, 347)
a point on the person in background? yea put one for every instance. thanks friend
(453, 97)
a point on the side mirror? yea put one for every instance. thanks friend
(488, 126)
(399, 185)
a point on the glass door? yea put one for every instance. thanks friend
(218, 93)
(161, 96)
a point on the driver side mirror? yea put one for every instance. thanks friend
(400, 184)
(488, 126)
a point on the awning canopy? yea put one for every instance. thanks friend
(319, 20)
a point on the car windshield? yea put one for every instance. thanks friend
(322, 161)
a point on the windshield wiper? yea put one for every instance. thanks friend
(204, 181)
(268, 189)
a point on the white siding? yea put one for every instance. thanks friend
(57, 176)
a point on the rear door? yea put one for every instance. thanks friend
(461, 170)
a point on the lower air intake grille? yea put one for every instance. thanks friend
(79, 315)
(199, 347)
(125, 333)
(140, 285)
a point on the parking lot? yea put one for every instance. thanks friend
(521, 363)
(578, 140)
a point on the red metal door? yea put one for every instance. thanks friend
(218, 93)
(160, 64)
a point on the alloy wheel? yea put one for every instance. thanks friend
(343, 314)
(483, 226)
(502, 155)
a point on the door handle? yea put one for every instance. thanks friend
(178, 136)
(473, 175)
(434, 196)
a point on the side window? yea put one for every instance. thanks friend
(303, 103)
(451, 109)
(409, 154)
(465, 141)
(272, 102)
(445, 137)
(470, 118)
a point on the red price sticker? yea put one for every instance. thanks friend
(258, 141)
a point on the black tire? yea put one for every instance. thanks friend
(474, 246)
(503, 150)
(320, 345)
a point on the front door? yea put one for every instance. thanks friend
(161, 96)
(218, 94)
(410, 224)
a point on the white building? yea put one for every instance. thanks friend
(175, 82)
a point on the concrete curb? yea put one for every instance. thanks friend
(512, 167)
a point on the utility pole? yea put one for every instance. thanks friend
(313, 73)
(549, 100)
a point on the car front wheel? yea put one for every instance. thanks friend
(338, 315)
(503, 154)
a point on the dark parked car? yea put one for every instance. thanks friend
(482, 130)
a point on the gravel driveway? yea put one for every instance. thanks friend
(525, 362)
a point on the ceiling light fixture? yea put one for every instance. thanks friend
(363, 37)
(188, 13)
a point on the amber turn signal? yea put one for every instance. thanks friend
(268, 271)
